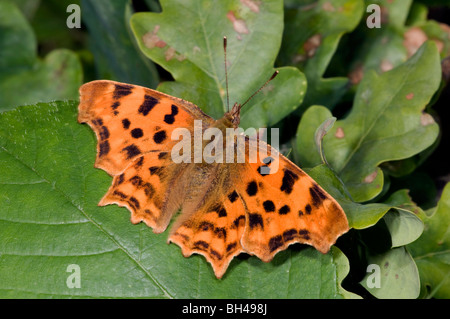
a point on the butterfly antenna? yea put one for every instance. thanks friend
(226, 71)
(262, 87)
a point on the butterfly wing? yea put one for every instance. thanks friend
(284, 206)
(227, 208)
(131, 120)
(133, 125)
(212, 223)
(249, 210)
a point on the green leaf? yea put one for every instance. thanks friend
(382, 49)
(116, 54)
(432, 250)
(397, 274)
(404, 225)
(311, 35)
(24, 78)
(386, 123)
(186, 39)
(49, 220)
(379, 49)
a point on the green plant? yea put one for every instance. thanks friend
(372, 159)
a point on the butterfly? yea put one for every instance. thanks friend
(226, 208)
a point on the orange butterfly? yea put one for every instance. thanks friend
(227, 208)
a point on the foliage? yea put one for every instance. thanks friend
(379, 84)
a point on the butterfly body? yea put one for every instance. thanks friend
(227, 207)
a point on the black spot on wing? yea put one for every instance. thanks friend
(103, 132)
(220, 232)
(289, 234)
(237, 221)
(269, 206)
(162, 155)
(200, 244)
(304, 234)
(170, 118)
(115, 105)
(148, 104)
(134, 202)
(205, 226)
(159, 137)
(308, 209)
(275, 243)
(149, 190)
(126, 123)
(137, 133)
(120, 179)
(289, 179)
(219, 209)
(255, 220)
(252, 188)
(139, 162)
(317, 195)
(122, 90)
(104, 148)
(136, 181)
(155, 170)
(231, 246)
(233, 196)
(216, 254)
(284, 210)
(132, 151)
(120, 194)
(97, 122)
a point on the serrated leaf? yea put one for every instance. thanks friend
(381, 49)
(397, 274)
(386, 123)
(24, 78)
(432, 250)
(311, 35)
(186, 39)
(49, 220)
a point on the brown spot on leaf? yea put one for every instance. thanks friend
(357, 74)
(409, 96)
(327, 6)
(370, 178)
(239, 25)
(413, 39)
(439, 44)
(181, 57)
(311, 45)
(152, 40)
(253, 5)
(339, 133)
(426, 119)
(170, 53)
(386, 65)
